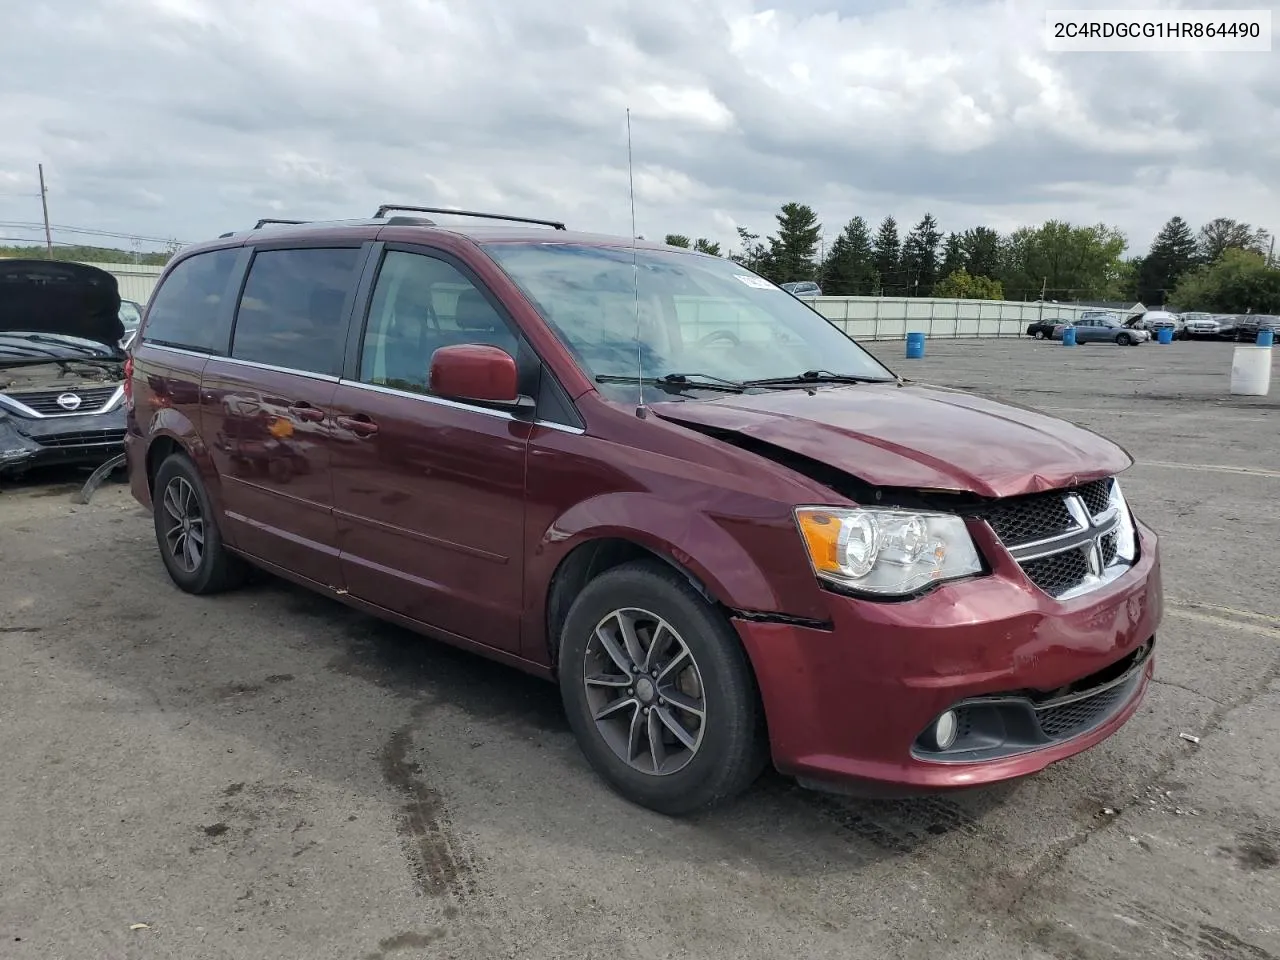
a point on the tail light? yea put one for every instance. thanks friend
(128, 381)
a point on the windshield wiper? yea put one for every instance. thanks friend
(817, 376)
(678, 381)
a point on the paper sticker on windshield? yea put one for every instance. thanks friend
(760, 283)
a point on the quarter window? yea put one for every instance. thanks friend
(420, 304)
(291, 313)
(187, 310)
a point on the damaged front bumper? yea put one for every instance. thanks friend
(89, 439)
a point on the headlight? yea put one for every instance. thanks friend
(887, 552)
(1126, 532)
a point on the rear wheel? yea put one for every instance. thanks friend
(187, 533)
(658, 691)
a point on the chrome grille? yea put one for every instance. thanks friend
(45, 402)
(1064, 540)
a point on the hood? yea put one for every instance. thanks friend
(923, 438)
(61, 299)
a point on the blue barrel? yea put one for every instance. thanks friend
(915, 346)
(1165, 335)
(1266, 338)
(1068, 336)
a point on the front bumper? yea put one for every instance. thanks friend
(91, 438)
(846, 706)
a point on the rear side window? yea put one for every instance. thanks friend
(291, 312)
(188, 308)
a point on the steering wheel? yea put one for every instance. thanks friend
(715, 335)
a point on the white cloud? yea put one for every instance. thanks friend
(190, 117)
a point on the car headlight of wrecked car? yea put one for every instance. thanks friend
(886, 552)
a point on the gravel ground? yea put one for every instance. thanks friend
(267, 774)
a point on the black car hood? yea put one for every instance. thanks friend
(62, 299)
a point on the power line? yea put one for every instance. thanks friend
(85, 231)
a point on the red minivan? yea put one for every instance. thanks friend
(729, 532)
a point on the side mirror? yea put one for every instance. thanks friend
(474, 371)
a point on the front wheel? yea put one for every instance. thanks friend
(1124, 340)
(659, 692)
(1039, 334)
(187, 532)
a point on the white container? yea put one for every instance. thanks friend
(1251, 371)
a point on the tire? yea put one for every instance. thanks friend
(179, 490)
(1039, 334)
(1124, 340)
(730, 747)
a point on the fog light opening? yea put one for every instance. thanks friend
(945, 729)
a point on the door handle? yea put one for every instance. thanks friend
(305, 411)
(360, 425)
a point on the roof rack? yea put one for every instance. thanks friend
(382, 212)
(265, 220)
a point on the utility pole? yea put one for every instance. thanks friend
(1272, 251)
(44, 205)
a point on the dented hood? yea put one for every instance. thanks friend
(924, 438)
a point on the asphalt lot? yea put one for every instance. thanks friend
(267, 774)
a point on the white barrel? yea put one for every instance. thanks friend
(1251, 371)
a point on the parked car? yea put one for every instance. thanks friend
(61, 366)
(1201, 326)
(1248, 325)
(1153, 321)
(1043, 329)
(802, 288)
(1103, 329)
(729, 534)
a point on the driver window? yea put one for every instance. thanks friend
(420, 304)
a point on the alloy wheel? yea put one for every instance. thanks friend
(184, 524)
(645, 691)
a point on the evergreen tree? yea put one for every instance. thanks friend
(920, 257)
(703, 245)
(676, 240)
(849, 268)
(791, 252)
(886, 253)
(953, 258)
(1172, 254)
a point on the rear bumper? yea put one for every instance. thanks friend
(846, 706)
(89, 439)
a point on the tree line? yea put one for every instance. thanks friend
(79, 253)
(1226, 266)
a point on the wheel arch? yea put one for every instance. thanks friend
(588, 560)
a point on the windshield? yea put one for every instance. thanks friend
(697, 315)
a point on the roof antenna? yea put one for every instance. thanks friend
(641, 412)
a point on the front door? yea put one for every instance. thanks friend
(266, 408)
(429, 492)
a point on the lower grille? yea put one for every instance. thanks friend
(1080, 716)
(83, 438)
(1006, 724)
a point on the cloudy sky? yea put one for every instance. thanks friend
(185, 118)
